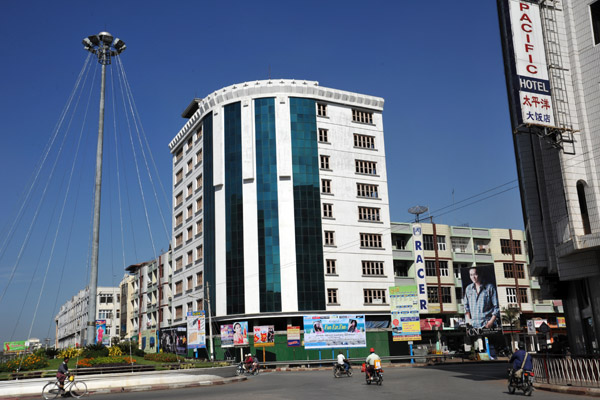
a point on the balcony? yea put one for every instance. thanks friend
(400, 254)
(462, 257)
(485, 258)
(543, 308)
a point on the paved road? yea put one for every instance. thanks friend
(451, 382)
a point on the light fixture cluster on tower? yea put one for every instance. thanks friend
(104, 46)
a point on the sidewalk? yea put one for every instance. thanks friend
(584, 391)
(139, 381)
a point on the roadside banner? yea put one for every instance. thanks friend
(227, 335)
(240, 333)
(293, 336)
(404, 302)
(480, 299)
(196, 330)
(150, 341)
(334, 331)
(264, 336)
(100, 330)
(530, 327)
(174, 340)
(13, 347)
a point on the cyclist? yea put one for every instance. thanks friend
(370, 361)
(61, 375)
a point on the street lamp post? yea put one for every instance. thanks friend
(104, 47)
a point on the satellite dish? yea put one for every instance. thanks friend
(418, 210)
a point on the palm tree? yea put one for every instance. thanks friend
(511, 315)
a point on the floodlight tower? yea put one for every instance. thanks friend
(104, 47)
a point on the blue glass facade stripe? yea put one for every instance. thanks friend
(267, 205)
(234, 210)
(307, 205)
(209, 206)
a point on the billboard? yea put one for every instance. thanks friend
(334, 331)
(196, 332)
(226, 335)
(235, 334)
(264, 336)
(12, 347)
(149, 342)
(404, 302)
(480, 299)
(174, 340)
(293, 336)
(100, 331)
(420, 268)
(530, 70)
(432, 324)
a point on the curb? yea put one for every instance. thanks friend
(577, 390)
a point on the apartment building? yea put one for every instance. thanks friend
(280, 204)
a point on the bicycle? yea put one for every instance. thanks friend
(76, 389)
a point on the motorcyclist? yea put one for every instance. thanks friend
(341, 360)
(371, 361)
(517, 360)
(248, 362)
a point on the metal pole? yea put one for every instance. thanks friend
(210, 332)
(91, 331)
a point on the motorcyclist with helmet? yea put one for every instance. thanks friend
(370, 362)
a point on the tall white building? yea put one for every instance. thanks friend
(552, 66)
(72, 317)
(281, 204)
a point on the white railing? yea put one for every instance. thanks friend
(567, 370)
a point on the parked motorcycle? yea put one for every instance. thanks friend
(376, 377)
(242, 370)
(504, 352)
(339, 370)
(525, 383)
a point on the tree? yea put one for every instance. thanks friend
(511, 316)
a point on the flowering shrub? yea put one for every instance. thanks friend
(163, 357)
(84, 362)
(29, 363)
(115, 351)
(71, 352)
(111, 361)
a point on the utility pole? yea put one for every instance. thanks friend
(103, 46)
(210, 332)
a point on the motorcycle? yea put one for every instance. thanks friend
(504, 352)
(242, 370)
(525, 383)
(376, 377)
(339, 369)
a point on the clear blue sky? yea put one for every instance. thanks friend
(437, 64)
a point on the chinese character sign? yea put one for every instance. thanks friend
(404, 302)
(532, 83)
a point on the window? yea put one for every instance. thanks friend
(199, 252)
(199, 305)
(178, 287)
(458, 292)
(446, 294)
(517, 246)
(179, 219)
(505, 246)
(199, 157)
(323, 135)
(190, 257)
(441, 242)
(371, 240)
(332, 296)
(189, 212)
(430, 269)
(365, 167)
(106, 299)
(190, 190)
(444, 270)
(199, 204)
(523, 295)
(190, 142)
(595, 11)
(329, 238)
(190, 165)
(190, 282)
(325, 185)
(368, 214)
(508, 270)
(364, 141)
(178, 312)
(327, 210)
(199, 133)
(199, 279)
(199, 181)
(190, 233)
(399, 242)
(511, 295)
(400, 268)
(179, 240)
(178, 155)
(330, 267)
(190, 306)
(199, 227)
(321, 110)
(432, 294)
(372, 268)
(428, 242)
(460, 244)
(374, 296)
(178, 264)
(178, 176)
(178, 199)
(324, 162)
(362, 116)
(520, 271)
(366, 190)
